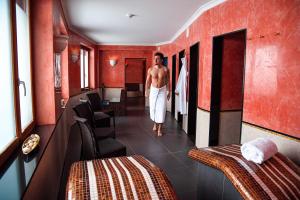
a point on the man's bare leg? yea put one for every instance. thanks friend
(155, 127)
(159, 131)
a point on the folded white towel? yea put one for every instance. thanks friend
(259, 150)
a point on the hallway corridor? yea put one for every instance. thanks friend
(169, 152)
(73, 76)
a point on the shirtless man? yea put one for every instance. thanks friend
(158, 83)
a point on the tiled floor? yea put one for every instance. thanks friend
(169, 152)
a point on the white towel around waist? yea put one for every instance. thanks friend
(158, 104)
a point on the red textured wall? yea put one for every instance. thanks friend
(75, 41)
(65, 74)
(232, 72)
(168, 51)
(115, 76)
(74, 68)
(272, 75)
(96, 72)
(134, 70)
(92, 81)
(47, 21)
(42, 61)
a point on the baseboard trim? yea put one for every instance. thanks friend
(203, 109)
(273, 131)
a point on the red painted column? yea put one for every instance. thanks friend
(42, 61)
(92, 82)
(74, 68)
(65, 74)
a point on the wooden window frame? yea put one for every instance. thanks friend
(88, 72)
(58, 89)
(20, 136)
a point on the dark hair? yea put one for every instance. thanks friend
(160, 55)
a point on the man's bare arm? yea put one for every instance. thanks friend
(168, 80)
(168, 83)
(148, 82)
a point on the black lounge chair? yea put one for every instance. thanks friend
(96, 105)
(83, 110)
(95, 149)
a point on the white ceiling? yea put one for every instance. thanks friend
(157, 21)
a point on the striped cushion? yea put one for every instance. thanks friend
(276, 178)
(131, 177)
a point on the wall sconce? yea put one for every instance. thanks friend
(60, 43)
(113, 62)
(74, 58)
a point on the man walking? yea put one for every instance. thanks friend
(158, 83)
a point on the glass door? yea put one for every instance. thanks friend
(7, 107)
(24, 64)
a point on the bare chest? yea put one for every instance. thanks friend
(158, 73)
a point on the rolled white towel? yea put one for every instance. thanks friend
(259, 150)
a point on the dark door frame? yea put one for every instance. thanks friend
(180, 55)
(193, 91)
(173, 84)
(166, 61)
(216, 80)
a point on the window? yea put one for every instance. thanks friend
(24, 64)
(84, 68)
(15, 74)
(57, 72)
(7, 107)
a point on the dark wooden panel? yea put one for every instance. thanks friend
(180, 116)
(193, 91)
(173, 85)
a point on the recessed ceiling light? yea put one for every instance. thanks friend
(130, 15)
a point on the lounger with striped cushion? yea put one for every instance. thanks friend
(131, 177)
(276, 178)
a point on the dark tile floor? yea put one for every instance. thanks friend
(169, 152)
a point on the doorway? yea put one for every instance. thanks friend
(180, 116)
(173, 85)
(135, 76)
(193, 91)
(227, 85)
(165, 61)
